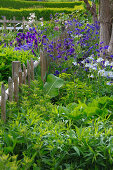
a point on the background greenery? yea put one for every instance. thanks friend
(42, 9)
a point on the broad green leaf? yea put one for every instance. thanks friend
(77, 150)
(52, 85)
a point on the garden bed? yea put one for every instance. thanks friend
(66, 123)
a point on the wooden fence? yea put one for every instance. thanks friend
(15, 23)
(20, 77)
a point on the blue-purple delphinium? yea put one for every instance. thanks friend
(81, 42)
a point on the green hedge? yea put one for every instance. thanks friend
(33, 4)
(41, 12)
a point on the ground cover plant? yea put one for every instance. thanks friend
(67, 123)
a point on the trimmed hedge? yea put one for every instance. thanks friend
(33, 4)
(41, 12)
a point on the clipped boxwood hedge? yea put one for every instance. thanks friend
(40, 12)
(35, 4)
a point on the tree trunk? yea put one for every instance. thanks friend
(110, 49)
(105, 23)
(92, 10)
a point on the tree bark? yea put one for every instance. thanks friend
(105, 22)
(110, 49)
(92, 10)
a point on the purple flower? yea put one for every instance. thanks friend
(51, 55)
(56, 28)
(57, 72)
(64, 70)
(105, 47)
(44, 36)
(111, 56)
(65, 58)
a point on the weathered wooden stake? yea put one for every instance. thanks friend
(16, 87)
(16, 65)
(28, 73)
(55, 45)
(20, 77)
(3, 103)
(43, 66)
(32, 69)
(14, 19)
(24, 77)
(10, 89)
(23, 23)
(4, 22)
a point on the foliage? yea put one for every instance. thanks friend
(41, 135)
(26, 4)
(40, 12)
(74, 91)
(52, 85)
(7, 55)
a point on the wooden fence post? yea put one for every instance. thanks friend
(3, 103)
(46, 55)
(20, 77)
(4, 22)
(43, 66)
(10, 89)
(16, 88)
(14, 19)
(32, 69)
(24, 77)
(28, 73)
(23, 23)
(55, 45)
(15, 68)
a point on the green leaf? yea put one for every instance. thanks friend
(62, 109)
(77, 150)
(52, 85)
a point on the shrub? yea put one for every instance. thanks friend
(40, 12)
(28, 4)
(7, 55)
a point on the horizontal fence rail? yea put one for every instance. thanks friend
(15, 23)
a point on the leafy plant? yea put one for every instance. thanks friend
(52, 85)
(7, 55)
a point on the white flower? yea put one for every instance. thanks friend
(95, 64)
(99, 60)
(106, 63)
(105, 74)
(42, 24)
(110, 74)
(27, 27)
(91, 57)
(94, 68)
(41, 19)
(101, 72)
(88, 65)
(108, 83)
(32, 15)
(74, 63)
(83, 62)
(92, 76)
(111, 64)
